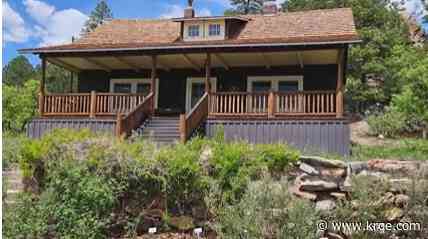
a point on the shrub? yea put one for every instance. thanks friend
(267, 211)
(389, 124)
(93, 186)
(12, 148)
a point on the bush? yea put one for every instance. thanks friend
(91, 186)
(389, 124)
(12, 148)
(267, 211)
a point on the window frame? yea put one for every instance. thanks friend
(134, 82)
(274, 81)
(189, 30)
(217, 31)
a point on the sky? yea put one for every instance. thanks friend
(34, 23)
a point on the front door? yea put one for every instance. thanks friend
(195, 89)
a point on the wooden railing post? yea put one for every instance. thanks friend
(119, 127)
(183, 134)
(41, 103)
(271, 105)
(93, 104)
(340, 84)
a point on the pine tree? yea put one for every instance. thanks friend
(17, 71)
(98, 15)
(245, 7)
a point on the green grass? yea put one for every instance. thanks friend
(406, 149)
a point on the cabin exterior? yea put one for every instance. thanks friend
(272, 77)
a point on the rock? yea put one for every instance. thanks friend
(357, 167)
(401, 200)
(322, 162)
(308, 169)
(377, 175)
(318, 185)
(381, 136)
(393, 166)
(325, 205)
(394, 214)
(338, 195)
(182, 223)
(332, 172)
(346, 186)
(302, 194)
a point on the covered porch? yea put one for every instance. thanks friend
(266, 84)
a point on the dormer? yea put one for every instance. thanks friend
(207, 28)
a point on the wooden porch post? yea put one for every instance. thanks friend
(153, 77)
(271, 105)
(339, 86)
(208, 74)
(93, 104)
(42, 87)
(182, 127)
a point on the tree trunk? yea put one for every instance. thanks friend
(424, 132)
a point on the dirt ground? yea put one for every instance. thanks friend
(360, 135)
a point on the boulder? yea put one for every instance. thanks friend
(318, 185)
(302, 194)
(346, 186)
(308, 169)
(332, 172)
(393, 166)
(325, 205)
(322, 162)
(357, 167)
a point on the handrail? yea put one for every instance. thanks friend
(132, 120)
(189, 122)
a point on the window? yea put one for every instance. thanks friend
(274, 83)
(261, 86)
(214, 30)
(143, 88)
(193, 31)
(287, 86)
(122, 88)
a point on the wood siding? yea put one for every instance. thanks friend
(310, 136)
(38, 127)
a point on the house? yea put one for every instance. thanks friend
(270, 77)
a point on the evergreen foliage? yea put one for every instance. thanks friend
(101, 13)
(245, 7)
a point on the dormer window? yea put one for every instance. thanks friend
(193, 31)
(214, 30)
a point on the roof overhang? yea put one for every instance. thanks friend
(184, 47)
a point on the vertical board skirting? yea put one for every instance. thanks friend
(38, 127)
(310, 136)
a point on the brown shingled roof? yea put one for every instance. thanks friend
(316, 26)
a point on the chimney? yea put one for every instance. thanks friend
(189, 12)
(270, 7)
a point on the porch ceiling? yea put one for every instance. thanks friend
(196, 61)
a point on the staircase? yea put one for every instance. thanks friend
(161, 129)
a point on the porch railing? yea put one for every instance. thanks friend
(272, 104)
(88, 104)
(190, 121)
(132, 120)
